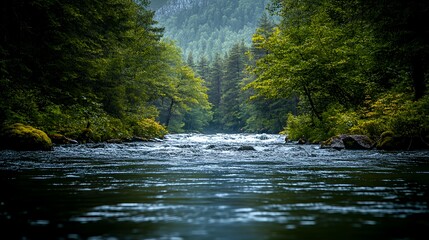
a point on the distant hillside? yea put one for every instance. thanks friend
(205, 27)
(156, 4)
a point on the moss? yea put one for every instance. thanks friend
(148, 129)
(24, 138)
(387, 134)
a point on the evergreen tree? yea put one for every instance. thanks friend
(263, 114)
(215, 82)
(203, 67)
(230, 102)
(206, 27)
(190, 61)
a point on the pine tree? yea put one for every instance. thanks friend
(230, 101)
(203, 67)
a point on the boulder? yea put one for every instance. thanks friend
(334, 142)
(349, 142)
(389, 142)
(115, 140)
(21, 137)
(357, 142)
(246, 148)
(302, 141)
(263, 137)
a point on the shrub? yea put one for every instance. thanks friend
(304, 126)
(148, 128)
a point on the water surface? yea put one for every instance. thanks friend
(193, 186)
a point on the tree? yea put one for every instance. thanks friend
(190, 61)
(315, 57)
(203, 67)
(404, 39)
(342, 58)
(184, 97)
(230, 101)
(93, 65)
(215, 84)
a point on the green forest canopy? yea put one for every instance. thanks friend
(356, 66)
(98, 65)
(207, 27)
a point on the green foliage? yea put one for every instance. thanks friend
(304, 126)
(335, 55)
(206, 28)
(411, 118)
(313, 56)
(338, 120)
(95, 70)
(231, 100)
(148, 129)
(91, 70)
(335, 121)
(184, 98)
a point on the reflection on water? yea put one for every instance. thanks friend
(203, 187)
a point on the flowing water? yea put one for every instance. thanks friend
(193, 186)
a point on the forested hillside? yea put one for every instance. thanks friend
(156, 4)
(207, 27)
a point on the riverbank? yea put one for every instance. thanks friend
(25, 137)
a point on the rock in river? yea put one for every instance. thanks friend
(349, 142)
(21, 137)
(246, 148)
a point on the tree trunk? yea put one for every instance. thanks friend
(170, 113)
(418, 76)
(313, 107)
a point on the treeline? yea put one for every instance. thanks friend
(93, 70)
(234, 108)
(356, 66)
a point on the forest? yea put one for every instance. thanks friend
(92, 70)
(98, 70)
(207, 27)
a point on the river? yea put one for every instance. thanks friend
(194, 186)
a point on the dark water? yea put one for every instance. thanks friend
(203, 187)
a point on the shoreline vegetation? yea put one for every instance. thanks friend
(22, 137)
(329, 72)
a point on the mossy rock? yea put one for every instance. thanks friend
(387, 134)
(357, 142)
(334, 143)
(349, 142)
(387, 143)
(21, 137)
(400, 143)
